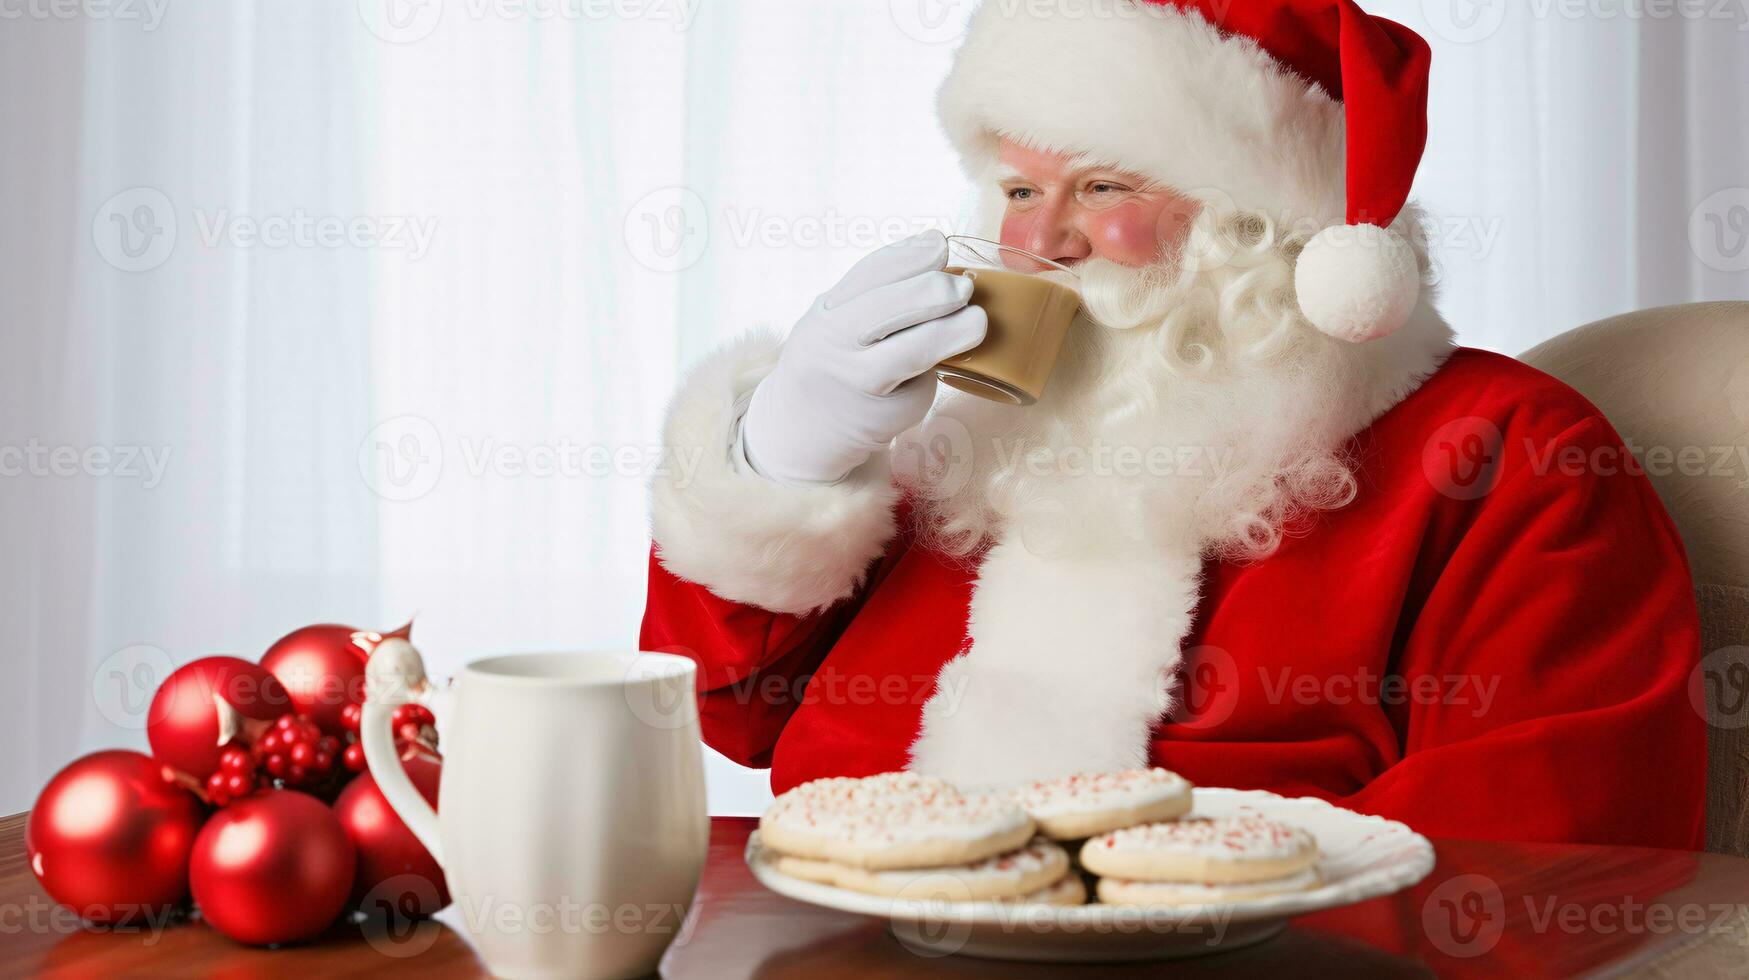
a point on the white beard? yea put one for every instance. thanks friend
(1208, 426)
(1205, 420)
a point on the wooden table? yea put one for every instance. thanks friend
(1488, 909)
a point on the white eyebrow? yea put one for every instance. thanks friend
(1079, 163)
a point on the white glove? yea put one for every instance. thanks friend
(857, 369)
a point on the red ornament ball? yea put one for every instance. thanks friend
(396, 874)
(323, 668)
(272, 868)
(203, 705)
(110, 838)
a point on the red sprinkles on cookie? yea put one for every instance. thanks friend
(1097, 789)
(1235, 838)
(890, 807)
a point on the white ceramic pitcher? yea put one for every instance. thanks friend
(571, 822)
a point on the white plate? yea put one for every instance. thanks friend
(1362, 857)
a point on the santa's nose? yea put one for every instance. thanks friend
(1055, 235)
(1065, 246)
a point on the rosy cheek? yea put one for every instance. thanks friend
(1127, 234)
(1139, 231)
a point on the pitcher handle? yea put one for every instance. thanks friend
(395, 676)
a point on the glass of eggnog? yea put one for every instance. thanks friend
(1030, 301)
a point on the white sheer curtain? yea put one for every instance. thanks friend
(1574, 146)
(396, 294)
(535, 216)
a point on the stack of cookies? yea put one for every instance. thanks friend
(900, 834)
(1130, 829)
(1201, 861)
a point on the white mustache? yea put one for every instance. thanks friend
(1121, 297)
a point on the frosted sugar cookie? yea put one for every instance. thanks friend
(1218, 851)
(1124, 891)
(893, 820)
(1017, 874)
(1073, 807)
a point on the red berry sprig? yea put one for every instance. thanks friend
(415, 723)
(235, 778)
(352, 716)
(296, 752)
(414, 726)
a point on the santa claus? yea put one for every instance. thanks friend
(1266, 526)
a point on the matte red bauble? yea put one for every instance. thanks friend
(272, 868)
(206, 704)
(110, 838)
(396, 874)
(323, 668)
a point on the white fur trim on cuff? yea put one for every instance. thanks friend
(748, 539)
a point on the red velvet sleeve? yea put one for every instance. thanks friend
(1567, 596)
(752, 663)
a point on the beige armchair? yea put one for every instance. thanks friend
(1675, 380)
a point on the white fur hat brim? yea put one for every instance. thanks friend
(1153, 89)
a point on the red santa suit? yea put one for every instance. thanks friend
(1492, 638)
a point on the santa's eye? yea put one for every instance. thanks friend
(1100, 194)
(1106, 189)
(1021, 193)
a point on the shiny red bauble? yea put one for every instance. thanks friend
(396, 875)
(110, 838)
(323, 668)
(203, 705)
(272, 868)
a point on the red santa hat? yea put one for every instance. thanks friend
(1312, 111)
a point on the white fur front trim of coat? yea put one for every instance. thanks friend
(1151, 88)
(1071, 657)
(1071, 670)
(746, 538)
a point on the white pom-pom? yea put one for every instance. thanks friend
(1357, 282)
